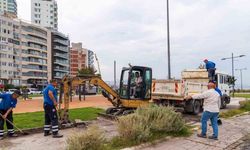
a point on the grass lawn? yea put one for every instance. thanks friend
(242, 95)
(244, 107)
(36, 119)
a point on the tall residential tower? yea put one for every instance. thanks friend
(44, 13)
(8, 7)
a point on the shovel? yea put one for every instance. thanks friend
(21, 131)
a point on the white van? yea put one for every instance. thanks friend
(34, 91)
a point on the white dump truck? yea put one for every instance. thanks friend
(172, 92)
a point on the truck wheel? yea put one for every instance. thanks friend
(188, 107)
(193, 107)
(196, 107)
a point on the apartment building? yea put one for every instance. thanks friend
(44, 13)
(10, 51)
(60, 55)
(25, 53)
(91, 57)
(8, 7)
(80, 58)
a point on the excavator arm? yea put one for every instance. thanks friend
(69, 82)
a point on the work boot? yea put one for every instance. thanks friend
(213, 137)
(13, 135)
(219, 122)
(47, 134)
(201, 136)
(57, 135)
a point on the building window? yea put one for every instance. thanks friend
(37, 15)
(37, 10)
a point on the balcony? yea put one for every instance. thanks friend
(60, 34)
(62, 62)
(35, 67)
(36, 47)
(35, 74)
(65, 56)
(61, 48)
(64, 42)
(35, 56)
(59, 76)
(61, 70)
(36, 40)
(35, 32)
(36, 62)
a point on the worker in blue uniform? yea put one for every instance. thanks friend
(50, 105)
(7, 104)
(210, 66)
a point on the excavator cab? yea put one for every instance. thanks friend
(135, 83)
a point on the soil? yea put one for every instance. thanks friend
(36, 104)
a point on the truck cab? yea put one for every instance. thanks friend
(222, 80)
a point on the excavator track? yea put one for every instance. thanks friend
(113, 113)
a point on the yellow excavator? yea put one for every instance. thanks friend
(125, 100)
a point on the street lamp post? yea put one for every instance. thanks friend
(168, 40)
(241, 83)
(114, 74)
(232, 58)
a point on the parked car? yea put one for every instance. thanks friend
(91, 90)
(10, 91)
(34, 91)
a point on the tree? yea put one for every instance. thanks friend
(86, 71)
(9, 86)
(232, 81)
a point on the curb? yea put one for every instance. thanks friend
(148, 144)
(62, 127)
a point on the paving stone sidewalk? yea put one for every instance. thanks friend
(233, 134)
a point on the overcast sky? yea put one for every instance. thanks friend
(134, 31)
